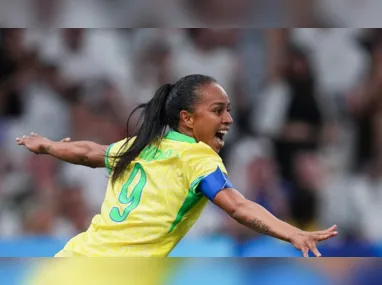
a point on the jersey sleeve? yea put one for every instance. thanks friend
(205, 171)
(111, 152)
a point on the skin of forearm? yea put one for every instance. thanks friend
(256, 217)
(72, 152)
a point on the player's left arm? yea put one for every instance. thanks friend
(206, 170)
(85, 153)
(256, 217)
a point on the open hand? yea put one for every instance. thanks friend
(306, 241)
(36, 143)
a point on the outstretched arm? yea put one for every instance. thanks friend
(259, 219)
(81, 152)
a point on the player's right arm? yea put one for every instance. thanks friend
(85, 153)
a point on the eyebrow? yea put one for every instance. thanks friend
(221, 104)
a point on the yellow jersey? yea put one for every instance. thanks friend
(155, 203)
(100, 271)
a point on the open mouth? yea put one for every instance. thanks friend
(220, 136)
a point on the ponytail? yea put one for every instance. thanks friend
(151, 131)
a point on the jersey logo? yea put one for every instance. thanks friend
(150, 153)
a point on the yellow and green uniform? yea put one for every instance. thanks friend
(155, 203)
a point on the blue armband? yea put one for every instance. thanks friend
(213, 183)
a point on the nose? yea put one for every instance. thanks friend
(227, 118)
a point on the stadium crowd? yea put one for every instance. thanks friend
(306, 141)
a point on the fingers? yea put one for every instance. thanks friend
(35, 135)
(314, 249)
(311, 239)
(325, 236)
(332, 228)
(22, 140)
(19, 141)
(65, 140)
(305, 251)
(328, 236)
(324, 232)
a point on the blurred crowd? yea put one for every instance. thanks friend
(306, 141)
(189, 13)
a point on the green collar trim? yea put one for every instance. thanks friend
(176, 136)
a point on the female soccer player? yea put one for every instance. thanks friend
(161, 178)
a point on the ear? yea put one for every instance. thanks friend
(186, 119)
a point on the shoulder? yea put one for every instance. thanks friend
(201, 149)
(200, 156)
(114, 150)
(120, 145)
